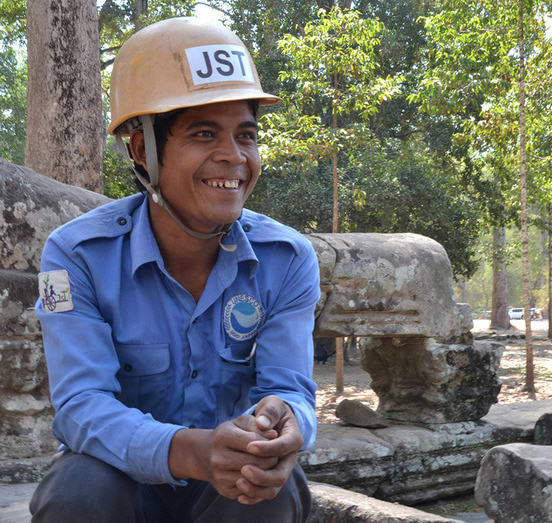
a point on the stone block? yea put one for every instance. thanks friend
(349, 457)
(514, 483)
(31, 207)
(354, 412)
(386, 285)
(18, 293)
(543, 430)
(420, 380)
(337, 505)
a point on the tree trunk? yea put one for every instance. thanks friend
(64, 106)
(140, 8)
(335, 228)
(499, 313)
(529, 365)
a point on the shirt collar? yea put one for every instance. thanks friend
(144, 248)
(244, 252)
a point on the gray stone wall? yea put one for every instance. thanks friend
(31, 206)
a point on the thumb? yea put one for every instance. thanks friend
(269, 412)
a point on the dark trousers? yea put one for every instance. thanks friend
(82, 489)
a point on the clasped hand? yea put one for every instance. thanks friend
(249, 458)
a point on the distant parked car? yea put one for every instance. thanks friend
(516, 314)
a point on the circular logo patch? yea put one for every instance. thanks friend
(242, 316)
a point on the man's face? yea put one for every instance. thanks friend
(210, 164)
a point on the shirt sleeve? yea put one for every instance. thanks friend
(82, 367)
(284, 356)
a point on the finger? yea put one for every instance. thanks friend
(251, 494)
(243, 499)
(256, 481)
(230, 460)
(290, 440)
(270, 411)
(237, 434)
(249, 423)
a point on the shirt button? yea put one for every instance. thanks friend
(128, 367)
(194, 374)
(246, 227)
(121, 221)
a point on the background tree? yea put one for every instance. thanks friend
(64, 111)
(479, 52)
(13, 81)
(332, 67)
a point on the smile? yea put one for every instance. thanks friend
(223, 184)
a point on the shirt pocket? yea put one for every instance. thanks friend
(237, 377)
(143, 377)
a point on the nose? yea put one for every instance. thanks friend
(229, 150)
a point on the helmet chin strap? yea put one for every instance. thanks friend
(152, 185)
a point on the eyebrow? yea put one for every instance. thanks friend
(248, 124)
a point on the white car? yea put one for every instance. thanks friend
(516, 314)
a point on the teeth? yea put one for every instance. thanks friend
(228, 184)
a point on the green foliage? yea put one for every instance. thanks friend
(13, 105)
(117, 174)
(13, 81)
(13, 14)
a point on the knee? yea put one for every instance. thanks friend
(85, 490)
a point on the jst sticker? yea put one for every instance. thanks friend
(219, 63)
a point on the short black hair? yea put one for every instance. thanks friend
(162, 129)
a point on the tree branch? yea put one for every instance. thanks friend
(110, 49)
(106, 64)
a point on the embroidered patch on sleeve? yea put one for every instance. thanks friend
(55, 291)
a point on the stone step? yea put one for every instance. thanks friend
(412, 464)
(14, 502)
(330, 504)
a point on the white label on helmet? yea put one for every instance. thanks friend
(219, 63)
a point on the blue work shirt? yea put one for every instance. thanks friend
(132, 358)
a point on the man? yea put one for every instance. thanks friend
(180, 359)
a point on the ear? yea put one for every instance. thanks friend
(138, 148)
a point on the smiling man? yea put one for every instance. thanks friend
(180, 358)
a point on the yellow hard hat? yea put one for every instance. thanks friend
(181, 62)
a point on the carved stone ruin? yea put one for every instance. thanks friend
(395, 290)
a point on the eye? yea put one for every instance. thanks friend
(249, 135)
(205, 133)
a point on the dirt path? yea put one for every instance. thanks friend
(512, 373)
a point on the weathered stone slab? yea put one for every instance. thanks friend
(25, 410)
(386, 285)
(31, 207)
(348, 456)
(421, 380)
(543, 430)
(356, 413)
(515, 483)
(18, 293)
(24, 470)
(337, 505)
(411, 464)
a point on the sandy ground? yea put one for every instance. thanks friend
(512, 373)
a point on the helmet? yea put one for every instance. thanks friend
(180, 62)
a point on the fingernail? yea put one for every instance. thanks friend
(263, 421)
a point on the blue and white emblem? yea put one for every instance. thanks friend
(243, 315)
